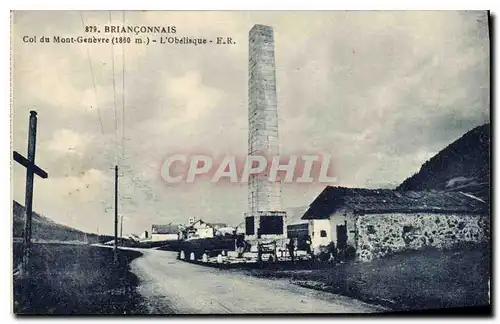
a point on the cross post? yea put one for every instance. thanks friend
(31, 170)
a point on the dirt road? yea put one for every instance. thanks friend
(173, 286)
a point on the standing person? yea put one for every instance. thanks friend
(259, 247)
(275, 252)
(308, 246)
(333, 252)
(240, 245)
(291, 248)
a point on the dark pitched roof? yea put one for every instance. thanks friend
(165, 229)
(370, 201)
(217, 225)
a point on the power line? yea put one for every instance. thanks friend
(93, 80)
(123, 89)
(114, 90)
(94, 87)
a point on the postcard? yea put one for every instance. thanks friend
(251, 162)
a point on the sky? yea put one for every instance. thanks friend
(381, 92)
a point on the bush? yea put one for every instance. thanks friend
(324, 256)
(350, 253)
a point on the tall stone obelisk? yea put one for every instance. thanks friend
(264, 197)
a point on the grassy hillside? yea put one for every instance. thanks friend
(463, 165)
(77, 279)
(408, 281)
(44, 228)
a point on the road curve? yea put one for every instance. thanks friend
(171, 286)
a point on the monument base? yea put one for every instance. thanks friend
(265, 226)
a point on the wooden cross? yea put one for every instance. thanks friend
(31, 170)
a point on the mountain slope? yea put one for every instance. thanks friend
(44, 228)
(463, 165)
(294, 214)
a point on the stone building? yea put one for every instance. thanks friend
(374, 223)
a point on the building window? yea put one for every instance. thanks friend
(249, 226)
(271, 224)
(322, 233)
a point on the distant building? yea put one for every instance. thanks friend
(133, 237)
(297, 227)
(144, 235)
(374, 223)
(201, 229)
(224, 231)
(240, 229)
(165, 232)
(299, 231)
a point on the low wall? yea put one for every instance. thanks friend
(382, 234)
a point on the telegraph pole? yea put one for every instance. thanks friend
(116, 215)
(121, 225)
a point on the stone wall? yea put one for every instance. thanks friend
(382, 234)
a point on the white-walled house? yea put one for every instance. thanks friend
(240, 229)
(201, 229)
(226, 230)
(165, 232)
(377, 222)
(320, 232)
(144, 236)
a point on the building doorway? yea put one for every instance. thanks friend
(341, 236)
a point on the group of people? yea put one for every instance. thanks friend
(291, 246)
(329, 252)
